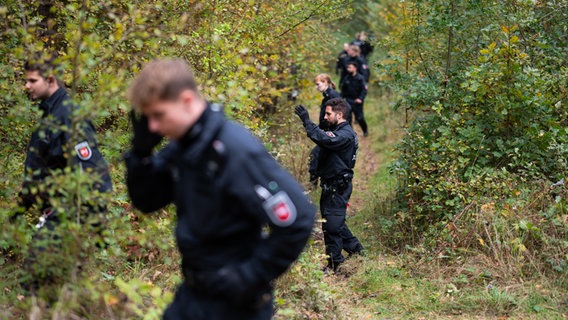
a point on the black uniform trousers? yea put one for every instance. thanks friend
(188, 304)
(359, 114)
(337, 236)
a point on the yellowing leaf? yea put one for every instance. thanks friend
(111, 300)
(481, 242)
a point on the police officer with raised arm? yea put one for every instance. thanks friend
(227, 190)
(338, 151)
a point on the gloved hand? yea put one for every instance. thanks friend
(302, 113)
(232, 283)
(143, 141)
(314, 180)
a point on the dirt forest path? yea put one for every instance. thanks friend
(374, 156)
(366, 167)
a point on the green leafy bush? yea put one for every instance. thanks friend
(247, 55)
(483, 86)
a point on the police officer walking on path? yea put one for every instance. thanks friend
(52, 147)
(338, 150)
(354, 90)
(226, 189)
(363, 43)
(353, 56)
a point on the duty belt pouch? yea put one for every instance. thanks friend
(341, 184)
(333, 186)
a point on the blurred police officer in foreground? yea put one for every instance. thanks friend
(54, 145)
(226, 189)
(338, 151)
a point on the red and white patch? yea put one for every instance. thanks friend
(330, 134)
(280, 209)
(84, 151)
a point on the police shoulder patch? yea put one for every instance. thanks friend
(280, 209)
(83, 151)
(330, 134)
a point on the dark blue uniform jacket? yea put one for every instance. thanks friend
(360, 63)
(338, 149)
(354, 87)
(226, 187)
(55, 141)
(328, 94)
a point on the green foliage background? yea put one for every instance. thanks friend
(248, 55)
(483, 85)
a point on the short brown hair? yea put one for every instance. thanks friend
(355, 48)
(43, 63)
(161, 79)
(338, 105)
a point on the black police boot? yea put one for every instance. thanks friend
(359, 250)
(331, 267)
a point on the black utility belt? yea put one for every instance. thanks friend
(340, 181)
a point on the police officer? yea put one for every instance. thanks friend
(52, 141)
(339, 64)
(325, 85)
(53, 146)
(338, 150)
(354, 90)
(354, 56)
(226, 189)
(361, 41)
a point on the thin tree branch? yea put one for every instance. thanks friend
(24, 21)
(450, 38)
(302, 21)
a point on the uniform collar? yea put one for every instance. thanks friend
(47, 105)
(202, 133)
(341, 125)
(327, 92)
(194, 132)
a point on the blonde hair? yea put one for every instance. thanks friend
(159, 80)
(355, 48)
(324, 77)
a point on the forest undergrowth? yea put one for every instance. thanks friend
(404, 280)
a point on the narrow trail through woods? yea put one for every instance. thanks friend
(373, 155)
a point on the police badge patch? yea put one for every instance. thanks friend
(278, 207)
(84, 151)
